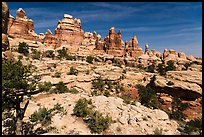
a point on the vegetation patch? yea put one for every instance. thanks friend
(147, 97)
(95, 120)
(23, 48)
(72, 71)
(89, 59)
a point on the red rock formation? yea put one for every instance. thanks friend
(69, 31)
(89, 38)
(133, 49)
(22, 27)
(50, 40)
(113, 43)
(146, 48)
(99, 44)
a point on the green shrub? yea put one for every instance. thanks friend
(60, 88)
(170, 66)
(95, 120)
(158, 131)
(106, 93)
(72, 71)
(89, 59)
(43, 115)
(119, 88)
(150, 68)
(97, 123)
(109, 84)
(170, 83)
(194, 126)
(59, 109)
(98, 83)
(73, 90)
(45, 86)
(57, 75)
(23, 48)
(161, 69)
(81, 108)
(147, 97)
(35, 54)
(96, 92)
(70, 57)
(177, 109)
(20, 57)
(62, 53)
(116, 62)
(49, 54)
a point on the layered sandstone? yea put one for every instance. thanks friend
(89, 38)
(113, 43)
(22, 26)
(133, 49)
(69, 31)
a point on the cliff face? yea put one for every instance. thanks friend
(22, 26)
(5, 16)
(69, 31)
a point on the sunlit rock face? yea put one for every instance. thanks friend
(22, 26)
(69, 31)
(133, 49)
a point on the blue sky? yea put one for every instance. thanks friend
(170, 25)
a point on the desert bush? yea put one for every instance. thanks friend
(119, 88)
(45, 86)
(170, 83)
(161, 69)
(98, 123)
(72, 71)
(140, 66)
(73, 91)
(158, 131)
(106, 93)
(150, 68)
(89, 59)
(23, 48)
(81, 108)
(49, 54)
(177, 109)
(95, 120)
(20, 57)
(96, 92)
(170, 66)
(57, 75)
(194, 125)
(147, 97)
(98, 83)
(70, 57)
(62, 53)
(116, 62)
(109, 84)
(60, 88)
(35, 54)
(43, 115)
(59, 109)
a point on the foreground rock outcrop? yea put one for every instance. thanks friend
(128, 119)
(175, 87)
